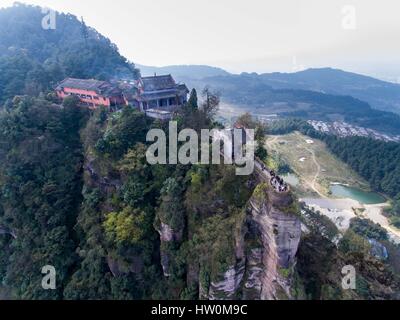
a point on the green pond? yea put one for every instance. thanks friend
(364, 197)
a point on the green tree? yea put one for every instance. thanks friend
(125, 226)
(210, 104)
(192, 102)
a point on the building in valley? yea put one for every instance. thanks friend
(91, 93)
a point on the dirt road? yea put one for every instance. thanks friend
(313, 182)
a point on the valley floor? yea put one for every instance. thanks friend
(317, 169)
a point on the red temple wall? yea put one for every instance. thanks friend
(100, 101)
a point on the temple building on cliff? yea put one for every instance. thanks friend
(91, 93)
(157, 96)
(160, 92)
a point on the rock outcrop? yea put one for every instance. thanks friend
(276, 219)
(167, 236)
(265, 252)
(228, 287)
(254, 274)
(378, 250)
(104, 183)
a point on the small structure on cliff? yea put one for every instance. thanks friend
(160, 93)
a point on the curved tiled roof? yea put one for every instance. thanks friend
(101, 87)
(156, 83)
(84, 84)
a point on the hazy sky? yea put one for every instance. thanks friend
(249, 35)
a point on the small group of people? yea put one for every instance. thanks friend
(276, 182)
(279, 184)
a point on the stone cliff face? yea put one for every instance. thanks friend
(265, 252)
(270, 268)
(264, 249)
(103, 183)
(229, 286)
(109, 183)
(167, 236)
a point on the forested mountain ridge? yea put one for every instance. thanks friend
(184, 72)
(381, 95)
(41, 182)
(33, 59)
(77, 193)
(319, 94)
(250, 93)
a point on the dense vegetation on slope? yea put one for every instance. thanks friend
(377, 161)
(77, 193)
(41, 181)
(320, 263)
(33, 59)
(320, 260)
(114, 225)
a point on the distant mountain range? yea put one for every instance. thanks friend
(34, 64)
(379, 94)
(320, 94)
(184, 72)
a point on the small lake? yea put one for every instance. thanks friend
(291, 179)
(364, 197)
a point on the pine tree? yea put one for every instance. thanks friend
(193, 99)
(85, 32)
